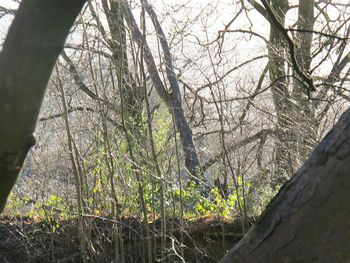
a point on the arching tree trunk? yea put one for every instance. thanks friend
(34, 41)
(308, 221)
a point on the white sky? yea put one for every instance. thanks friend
(6, 21)
(242, 46)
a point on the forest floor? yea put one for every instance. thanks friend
(30, 239)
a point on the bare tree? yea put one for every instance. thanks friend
(232, 113)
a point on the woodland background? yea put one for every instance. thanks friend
(168, 126)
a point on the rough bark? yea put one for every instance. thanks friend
(281, 98)
(34, 41)
(308, 221)
(305, 120)
(296, 129)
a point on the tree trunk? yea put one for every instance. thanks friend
(171, 97)
(281, 98)
(34, 41)
(304, 119)
(296, 130)
(308, 220)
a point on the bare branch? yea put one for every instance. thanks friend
(279, 25)
(258, 136)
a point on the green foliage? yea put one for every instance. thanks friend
(112, 180)
(163, 125)
(55, 201)
(197, 204)
(191, 197)
(15, 205)
(259, 199)
(216, 204)
(223, 206)
(53, 206)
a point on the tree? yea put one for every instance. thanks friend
(171, 96)
(299, 106)
(311, 207)
(29, 53)
(304, 78)
(309, 214)
(308, 219)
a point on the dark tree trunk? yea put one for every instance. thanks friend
(308, 221)
(34, 41)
